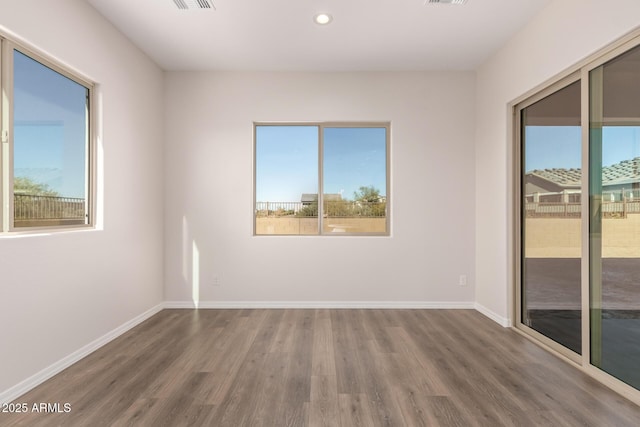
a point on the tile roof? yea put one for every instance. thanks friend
(620, 173)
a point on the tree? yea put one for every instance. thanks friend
(310, 210)
(338, 208)
(36, 201)
(369, 202)
(368, 194)
(24, 185)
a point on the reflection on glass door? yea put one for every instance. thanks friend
(551, 230)
(614, 235)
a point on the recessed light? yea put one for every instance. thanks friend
(322, 18)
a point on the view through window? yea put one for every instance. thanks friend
(46, 143)
(551, 216)
(341, 168)
(50, 146)
(614, 155)
(45, 163)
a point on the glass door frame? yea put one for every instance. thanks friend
(580, 71)
(518, 217)
(611, 381)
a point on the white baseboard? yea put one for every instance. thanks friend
(320, 304)
(21, 388)
(503, 321)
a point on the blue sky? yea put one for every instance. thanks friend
(354, 158)
(287, 161)
(560, 146)
(49, 127)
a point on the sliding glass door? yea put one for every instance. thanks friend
(578, 258)
(614, 235)
(550, 206)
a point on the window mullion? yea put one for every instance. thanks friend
(320, 179)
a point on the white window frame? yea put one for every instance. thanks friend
(321, 126)
(7, 223)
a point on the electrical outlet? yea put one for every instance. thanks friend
(462, 281)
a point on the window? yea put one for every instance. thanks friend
(46, 143)
(321, 178)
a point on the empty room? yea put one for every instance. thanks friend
(320, 213)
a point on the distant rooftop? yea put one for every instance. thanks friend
(624, 172)
(313, 197)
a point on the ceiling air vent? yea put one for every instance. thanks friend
(445, 1)
(194, 4)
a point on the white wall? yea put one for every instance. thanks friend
(209, 176)
(564, 33)
(62, 291)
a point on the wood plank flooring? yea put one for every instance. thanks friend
(337, 368)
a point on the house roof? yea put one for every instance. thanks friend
(313, 197)
(563, 177)
(627, 171)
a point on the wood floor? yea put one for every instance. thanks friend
(324, 368)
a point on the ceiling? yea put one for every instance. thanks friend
(371, 35)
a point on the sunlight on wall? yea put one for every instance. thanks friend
(195, 275)
(190, 262)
